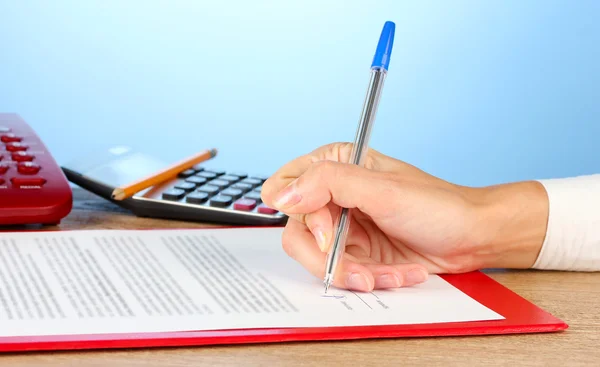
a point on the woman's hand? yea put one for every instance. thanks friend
(404, 223)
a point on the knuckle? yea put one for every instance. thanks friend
(344, 152)
(337, 151)
(333, 147)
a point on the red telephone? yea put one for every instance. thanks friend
(33, 188)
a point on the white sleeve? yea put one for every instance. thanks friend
(572, 240)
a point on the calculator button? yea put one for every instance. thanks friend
(33, 181)
(229, 178)
(209, 189)
(262, 178)
(173, 194)
(21, 157)
(28, 168)
(16, 147)
(205, 174)
(197, 197)
(221, 201)
(4, 129)
(198, 168)
(244, 204)
(196, 180)
(186, 173)
(252, 181)
(9, 138)
(242, 186)
(234, 193)
(185, 186)
(253, 196)
(263, 209)
(217, 172)
(258, 189)
(2, 181)
(3, 168)
(239, 174)
(221, 184)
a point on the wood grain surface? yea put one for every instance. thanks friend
(573, 297)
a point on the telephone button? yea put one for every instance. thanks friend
(28, 181)
(16, 147)
(10, 138)
(22, 157)
(28, 168)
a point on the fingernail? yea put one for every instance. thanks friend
(321, 239)
(287, 197)
(387, 281)
(416, 276)
(357, 281)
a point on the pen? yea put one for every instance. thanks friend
(379, 68)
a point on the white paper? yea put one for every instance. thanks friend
(110, 281)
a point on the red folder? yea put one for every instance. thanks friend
(521, 316)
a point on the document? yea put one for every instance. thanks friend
(141, 281)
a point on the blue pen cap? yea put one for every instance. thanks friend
(384, 47)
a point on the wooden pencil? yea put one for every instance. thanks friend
(124, 192)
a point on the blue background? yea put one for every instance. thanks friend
(479, 92)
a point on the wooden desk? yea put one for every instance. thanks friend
(573, 297)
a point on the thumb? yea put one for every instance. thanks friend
(346, 185)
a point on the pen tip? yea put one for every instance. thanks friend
(326, 287)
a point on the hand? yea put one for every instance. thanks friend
(404, 222)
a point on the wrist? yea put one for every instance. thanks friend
(511, 224)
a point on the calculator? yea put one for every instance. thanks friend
(205, 193)
(33, 188)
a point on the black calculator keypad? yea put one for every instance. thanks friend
(235, 191)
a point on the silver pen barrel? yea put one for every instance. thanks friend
(359, 150)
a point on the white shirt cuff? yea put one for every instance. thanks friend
(572, 240)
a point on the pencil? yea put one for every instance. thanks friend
(124, 192)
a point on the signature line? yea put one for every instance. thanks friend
(362, 300)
